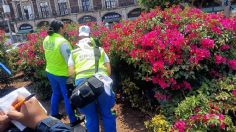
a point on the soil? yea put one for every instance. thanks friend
(128, 119)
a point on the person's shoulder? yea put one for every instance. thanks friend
(101, 49)
(76, 50)
(46, 38)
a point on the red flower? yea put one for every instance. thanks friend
(234, 92)
(158, 66)
(160, 96)
(222, 125)
(207, 43)
(198, 54)
(216, 30)
(219, 59)
(232, 64)
(224, 47)
(43, 34)
(180, 125)
(187, 85)
(160, 81)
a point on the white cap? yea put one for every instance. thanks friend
(84, 31)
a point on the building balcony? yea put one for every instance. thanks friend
(97, 6)
(126, 3)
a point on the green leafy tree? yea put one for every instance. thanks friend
(149, 4)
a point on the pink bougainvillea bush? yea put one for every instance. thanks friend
(162, 59)
(176, 51)
(175, 46)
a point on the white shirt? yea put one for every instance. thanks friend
(84, 43)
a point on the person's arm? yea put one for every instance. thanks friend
(33, 115)
(65, 51)
(52, 124)
(71, 68)
(107, 64)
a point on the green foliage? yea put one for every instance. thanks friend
(134, 94)
(150, 4)
(212, 106)
(187, 107)
(2, 47)
(12, 57)
(41, 88)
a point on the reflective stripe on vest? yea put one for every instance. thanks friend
(55, 62)
(85, 63)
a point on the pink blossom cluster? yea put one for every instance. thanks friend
(167, 39)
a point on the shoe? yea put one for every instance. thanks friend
(58, 116)
(79, 120)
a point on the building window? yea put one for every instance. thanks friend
(44, 9)
(62, 5)
(85, 5)
(110, 3)
(28, 12)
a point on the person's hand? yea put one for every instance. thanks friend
(30, 113)
(4, 121)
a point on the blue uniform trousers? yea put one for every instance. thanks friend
(58, 84)
(104, 103)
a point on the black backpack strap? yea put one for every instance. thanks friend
(97, 55)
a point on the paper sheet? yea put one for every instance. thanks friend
(107, 82)
(7, 100)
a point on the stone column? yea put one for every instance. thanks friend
(226, 4)
(123, 13)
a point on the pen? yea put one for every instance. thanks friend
(16, 106)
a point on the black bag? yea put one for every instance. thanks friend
(90, 89)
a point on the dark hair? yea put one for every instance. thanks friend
(54, 27)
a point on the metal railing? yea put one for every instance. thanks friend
(127, 3)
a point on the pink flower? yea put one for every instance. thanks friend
(222, 125)
(221, 117)
(216, 30)
(180, 125)
(232, 64)
(207, 43)
(43, 34)
(149, 39)
(160, 96)
(234, 92)
(219, 59)
(206, 117)
(159, 65)
(224, 47)
(187, 85)
(162, 83)
(198, 54)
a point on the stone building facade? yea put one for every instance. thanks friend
(27, 15)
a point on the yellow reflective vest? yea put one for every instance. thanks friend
(55, 63)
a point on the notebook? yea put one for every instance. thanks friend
(7, 100)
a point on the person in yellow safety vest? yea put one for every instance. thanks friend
(82, 66)
(57, 50)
